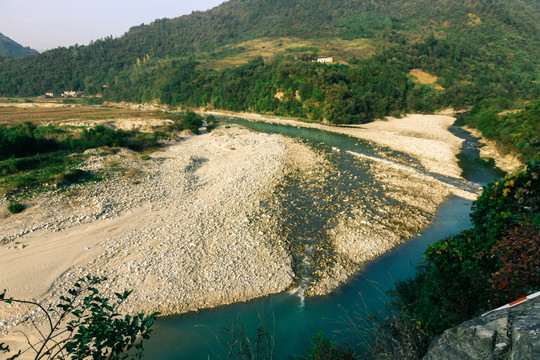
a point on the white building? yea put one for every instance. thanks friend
(327, 59)
(72, 93)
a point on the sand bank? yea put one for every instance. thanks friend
(425, 137)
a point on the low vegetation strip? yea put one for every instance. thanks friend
(32, 155)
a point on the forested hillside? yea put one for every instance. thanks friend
(477, 49)
(471, 45)
(10, 48)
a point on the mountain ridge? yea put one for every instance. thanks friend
(11, 48)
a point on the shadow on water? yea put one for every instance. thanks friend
(474, 168)
(292, 320)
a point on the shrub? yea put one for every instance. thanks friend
(187, 121)
(507, 202)
(72, 176)
(15, 207)
(397, 336)
(325, 349)
(21, 140)
(100, 135)
(89, 325)
(250, 347)
(519, 256)
(211, 121)
(450, 286)
(192, 121)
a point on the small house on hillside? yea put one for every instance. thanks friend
(69, 93)
(72, 93)
(50, 94)
(327, 59)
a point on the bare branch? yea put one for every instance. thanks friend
(35, 304)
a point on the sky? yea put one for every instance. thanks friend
(48, 24)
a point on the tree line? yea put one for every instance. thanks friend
(286, 86)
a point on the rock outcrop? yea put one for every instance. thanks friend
(505, 334)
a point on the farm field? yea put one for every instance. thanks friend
(269, 48)
(18, 113)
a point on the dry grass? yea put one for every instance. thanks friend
(269, 48)
(425, 78)
(474, 20)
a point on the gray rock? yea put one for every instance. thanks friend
(512, 334)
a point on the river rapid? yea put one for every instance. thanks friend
(308, 206)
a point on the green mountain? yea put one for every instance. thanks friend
(495, 33)
(390, 56)
(12, 49)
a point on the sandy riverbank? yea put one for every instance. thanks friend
(424, 137)
(184, 229)
(187, 228)
(183, 225)
(412, 182)
(489, 150)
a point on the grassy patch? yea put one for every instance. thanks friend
(35, 158)
(269, 48)
(32, 168)
(422, 77)
(73, 176)
(49, 176)
(134, 174)
(15, 207)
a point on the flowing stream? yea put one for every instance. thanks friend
(289, 318)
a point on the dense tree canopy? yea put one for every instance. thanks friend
(337, 93)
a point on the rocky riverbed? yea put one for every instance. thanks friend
(198, 225)
(184, 227)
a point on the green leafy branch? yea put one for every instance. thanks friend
(88, 326)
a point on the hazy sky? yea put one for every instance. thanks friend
(47, 24)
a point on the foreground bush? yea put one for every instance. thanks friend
(518, 254)
(325, 349)
(87, 326)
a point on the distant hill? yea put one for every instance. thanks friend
(256, 55)
(12, 49)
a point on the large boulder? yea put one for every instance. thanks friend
(512, 333)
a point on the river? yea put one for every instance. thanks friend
(289, 319)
